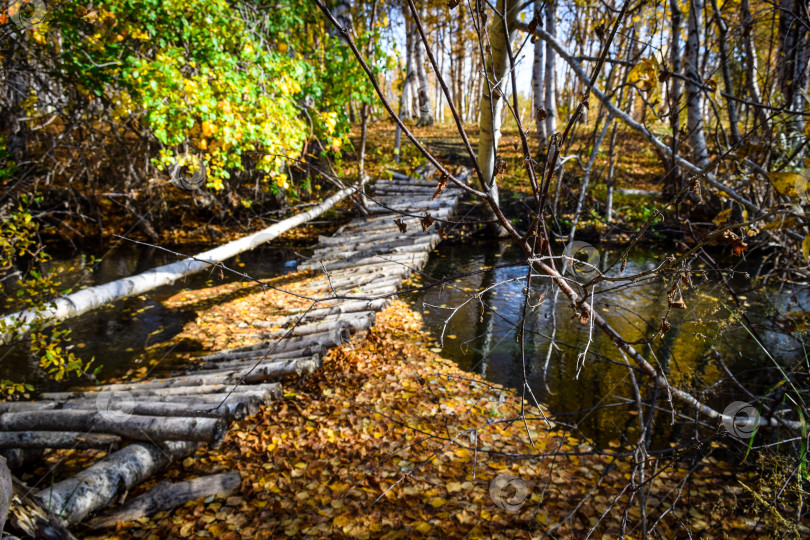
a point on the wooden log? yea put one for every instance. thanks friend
(405, 259)
(400, 176)
(383, 236)
(233, 410)
(101, 484)
(327, 313)
(262, 370)
(413, 247)
(57, 439)
(363, 319)
(369, 261)
(284, 368)
(260, 349)
(129, 426)
(336, 332)
(18, 406)
(383, 267)
(167, 496)
(128, 397)
(347, 250)
(416, 207)
(251, 399)
(28, 519)
(91, 298)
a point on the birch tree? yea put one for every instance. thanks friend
(694, 93)
(538, 69)
(501, 30)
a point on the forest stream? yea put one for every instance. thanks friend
(483, 340)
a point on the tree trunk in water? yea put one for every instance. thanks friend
(81, 302)
(694, 93)
(551, 73)
(491, 103)
(425, 110)
(537, 84)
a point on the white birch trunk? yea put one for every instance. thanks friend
(550, 81)
(537, 83)
(694, 94)
(489, 120)
(425, 110)
(78, 303)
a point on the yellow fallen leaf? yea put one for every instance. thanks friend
(437, 502)
(785, 182)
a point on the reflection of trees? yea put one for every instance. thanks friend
(485, 324)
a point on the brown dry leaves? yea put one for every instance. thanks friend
(388, 421)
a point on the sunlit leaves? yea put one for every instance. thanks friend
(645, 74)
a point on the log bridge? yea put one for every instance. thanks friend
(147, 424)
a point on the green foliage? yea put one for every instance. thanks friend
(19, 241)
(211, 79)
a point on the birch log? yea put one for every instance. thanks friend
(167, 496)
(130, 426)
(57, 439)
(102, 483)
(91, 298)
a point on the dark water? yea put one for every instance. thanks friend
(480, 335)
(115, 336)
(592, 393)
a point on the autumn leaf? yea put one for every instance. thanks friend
(712, 88)
(722, 218)
(645, 74)
(806, 248)
(736, 243)
(442, 233)
(401, 224)
(785, 182)
(440, 186)
(540, 115)
(427, 221)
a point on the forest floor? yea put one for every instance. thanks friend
(390, 439)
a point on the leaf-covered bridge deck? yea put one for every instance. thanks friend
(359, 269)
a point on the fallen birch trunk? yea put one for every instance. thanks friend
(58, 439)
(101, 484)
(129, 426)
(167, 496)
(126, 397)
(91, 298)
(260, 350)
(232, 410)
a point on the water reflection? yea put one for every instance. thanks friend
(116, 335)
(480, 336)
